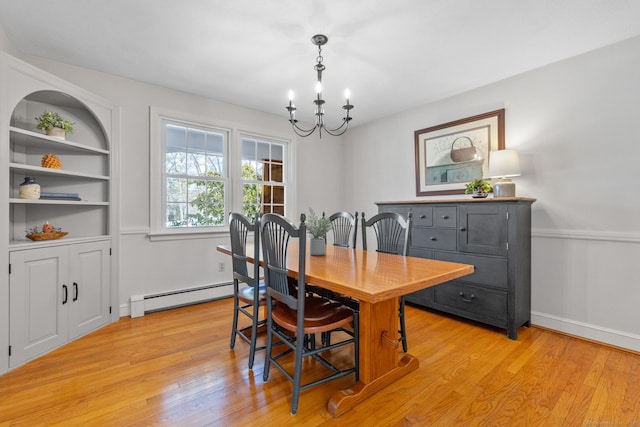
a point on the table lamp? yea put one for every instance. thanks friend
(504, 164)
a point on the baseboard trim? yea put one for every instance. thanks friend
(143, 304)
(623, 340)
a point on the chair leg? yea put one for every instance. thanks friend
(254, 334)
(356, 342)
(403, 327)
(297, 375)
(267, 359)
(234, 325)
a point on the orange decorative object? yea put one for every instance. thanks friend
(47, 228)
(51, 161)
(47, 236)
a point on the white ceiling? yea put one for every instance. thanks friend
(392, 55)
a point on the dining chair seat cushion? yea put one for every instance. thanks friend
(246, 294)
(320, 315)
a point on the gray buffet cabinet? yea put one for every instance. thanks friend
(493, 234)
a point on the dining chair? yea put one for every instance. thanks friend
(295, 316)
(345, 228)
(247, 299)
(393, 236)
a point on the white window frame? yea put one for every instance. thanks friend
(286, 170)
(233, 186)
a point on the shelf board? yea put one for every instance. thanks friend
(29, 169)
(67, 240)
(28, 138)
(56, 202)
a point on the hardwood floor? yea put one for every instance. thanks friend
(175, 368)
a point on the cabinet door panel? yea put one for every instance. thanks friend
(38, 297)
(89, 308)
(483, 229)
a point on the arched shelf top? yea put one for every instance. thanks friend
(87, 128)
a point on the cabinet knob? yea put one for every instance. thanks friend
(423, 216)
(463, 229)
(433, 239)
(445, 216)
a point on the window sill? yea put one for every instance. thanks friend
(161, 236)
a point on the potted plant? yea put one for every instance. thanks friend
(318, 227)
(479, 188)
(53, 124)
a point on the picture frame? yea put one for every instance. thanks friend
(450, 155)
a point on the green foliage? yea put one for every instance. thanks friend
(50, 119)
(317, 226)
(209, 203)
(480, 184)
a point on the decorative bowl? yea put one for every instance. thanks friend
(47, 236)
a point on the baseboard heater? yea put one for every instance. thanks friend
(142, 304)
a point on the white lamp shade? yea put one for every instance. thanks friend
(503, 164)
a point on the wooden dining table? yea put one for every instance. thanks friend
(376, 280)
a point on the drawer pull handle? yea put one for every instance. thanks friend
(463, 229)
(423, 216)
(445, 216)
(433, 239)
(470, 299)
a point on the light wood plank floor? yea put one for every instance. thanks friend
(175, 368)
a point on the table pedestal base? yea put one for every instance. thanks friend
(344, 400)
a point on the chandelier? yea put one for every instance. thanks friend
(319, 40)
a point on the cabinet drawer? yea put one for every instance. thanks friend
(420, 252)
(445, 217)
(422, 297)
(487, 270)
(473, 299)
(422, 216)
(435, 238)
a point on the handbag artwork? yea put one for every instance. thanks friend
(462, 154)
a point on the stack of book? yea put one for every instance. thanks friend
(60, 196)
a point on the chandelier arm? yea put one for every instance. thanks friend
(301, 131)
(335, 132)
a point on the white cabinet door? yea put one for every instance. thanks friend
(38, 296)
(89, 287)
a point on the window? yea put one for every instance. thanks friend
(263, 176)
(194, 175)
(202, 169)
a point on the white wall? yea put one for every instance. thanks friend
(575, 124)
(163, 266)
(5, 43)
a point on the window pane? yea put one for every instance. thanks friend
(176, 215)
(277, 152)
(176, 163)
(278, 195)
(276, 172)
(196, 164)
(251, 197)
(176, 190)
(263, 151)
(248, 149)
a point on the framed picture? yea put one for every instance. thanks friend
(450, 155)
